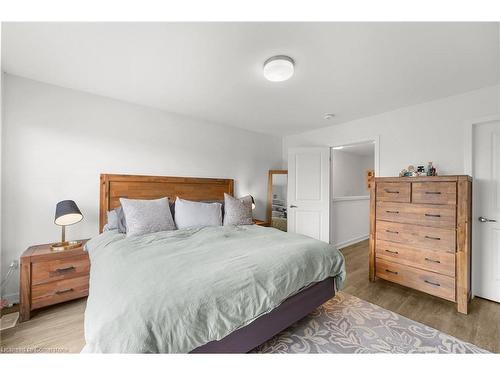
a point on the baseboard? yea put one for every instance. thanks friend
(351, 241)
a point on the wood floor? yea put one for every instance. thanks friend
(60, 328)
(480, 327)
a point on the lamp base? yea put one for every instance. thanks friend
(66, 245)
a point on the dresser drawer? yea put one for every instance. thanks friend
(427, 238)
(429, 282)
(393, 191)
(58, 269)
(434, 192)
(59, 291)
(435, 261)
(421, 214)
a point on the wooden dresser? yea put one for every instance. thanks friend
(420, 234)
(49, 277)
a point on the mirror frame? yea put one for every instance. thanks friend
(269, 209)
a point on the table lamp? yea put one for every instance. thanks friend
(67, 213)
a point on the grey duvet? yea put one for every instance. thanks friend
(173, 291)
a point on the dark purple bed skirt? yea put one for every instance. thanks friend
(262, 329)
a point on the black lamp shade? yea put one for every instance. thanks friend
(67, 213)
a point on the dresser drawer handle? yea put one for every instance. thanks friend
(394, 272)
(391, 191)
(432, 260)
(433, 192)
(432, 283)
(432, 215)
(433, 238)
(391, 231)
(64, 291)
(392, 251)
(392, 212)
(66, 269)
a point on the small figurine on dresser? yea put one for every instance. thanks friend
(431, 170)
(419, 171)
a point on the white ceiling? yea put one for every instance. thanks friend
(213, 71)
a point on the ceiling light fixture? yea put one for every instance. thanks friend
(329, 116)
(278, 68)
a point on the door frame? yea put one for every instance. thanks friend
(469, 170)
(356, 141)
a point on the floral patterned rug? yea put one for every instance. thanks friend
(346, 324)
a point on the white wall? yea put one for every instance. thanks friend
(57, 141)
(350, 221)
(349, 173)
(432, 131)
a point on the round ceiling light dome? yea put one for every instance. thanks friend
(278, 68)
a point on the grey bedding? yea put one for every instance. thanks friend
(170, 292)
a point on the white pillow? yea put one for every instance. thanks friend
(190, 214)
(147, 216)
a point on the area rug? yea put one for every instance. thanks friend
(8, 320)
(347, 324)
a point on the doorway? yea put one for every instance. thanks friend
(351, 166)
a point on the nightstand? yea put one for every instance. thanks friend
(261, 223)
(49, 277)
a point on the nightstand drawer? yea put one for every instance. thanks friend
(53, 270)
(59, 291)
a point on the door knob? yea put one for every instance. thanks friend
(293, 206)
(485, 220)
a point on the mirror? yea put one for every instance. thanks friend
(276, 199)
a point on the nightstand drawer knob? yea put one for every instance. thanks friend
(64, 291)
(66, 269)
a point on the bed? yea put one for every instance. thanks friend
(204, 290)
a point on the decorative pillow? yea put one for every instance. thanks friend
(147, 216)
(112, 220)
(217, 201)
(190, 214)
(122, 224)
(237, 211)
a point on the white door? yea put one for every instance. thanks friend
(309, 192)
(487, 209)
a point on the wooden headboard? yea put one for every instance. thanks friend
(116, 186)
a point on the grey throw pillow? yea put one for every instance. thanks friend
(147, 216)
(193, 214)
(237, 211)
(122, 224)
(112, 220)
